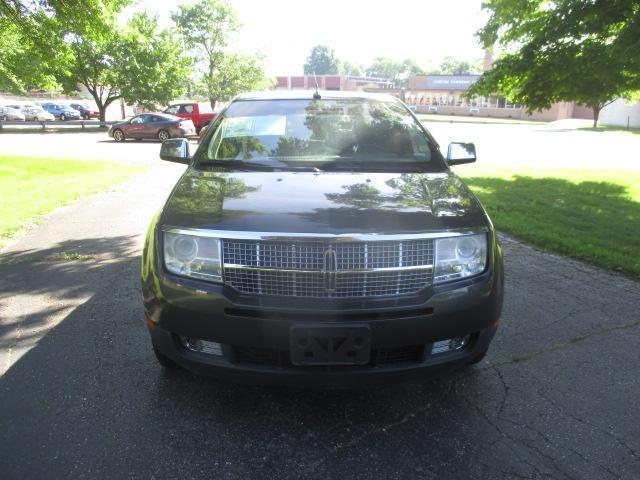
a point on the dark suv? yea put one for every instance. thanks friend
(320, 239)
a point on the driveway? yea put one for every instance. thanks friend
(81, 395)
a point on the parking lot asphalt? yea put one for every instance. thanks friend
(81, 395)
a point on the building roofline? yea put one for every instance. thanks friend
(308, 94)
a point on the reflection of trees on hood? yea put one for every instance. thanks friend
(443, 196)
(358, 195)
(206, 193)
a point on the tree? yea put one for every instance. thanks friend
(206, 27)
(69, 47)
(396, 71)
(19, 70)
(348, 68)
(566, 50)
(138, 63)
(322, 61)
(236, 73)
(32, 43)
(454, 66)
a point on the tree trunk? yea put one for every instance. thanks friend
(103, 112)
(213, 102)
(102, 108)
(596, 114)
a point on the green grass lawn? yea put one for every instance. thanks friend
(605, 128)
(32, 187)
(592, 215)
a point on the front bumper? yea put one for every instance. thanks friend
(259, 367)
(253, 328)
(255, 331)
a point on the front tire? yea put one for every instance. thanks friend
(163, 135)
(118, 136)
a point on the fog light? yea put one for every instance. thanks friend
(202, 346)
(450, 344)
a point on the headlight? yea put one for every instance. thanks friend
(193, 256)
(460, 257)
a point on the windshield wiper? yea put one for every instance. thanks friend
(374, 166)
(248, 166)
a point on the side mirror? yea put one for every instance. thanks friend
(459, 153)
(175, 150)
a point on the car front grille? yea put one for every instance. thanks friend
(328, 268)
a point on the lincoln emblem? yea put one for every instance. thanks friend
(329, 268)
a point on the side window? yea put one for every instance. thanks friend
(172, 110)
(137, 120)
(187, 109)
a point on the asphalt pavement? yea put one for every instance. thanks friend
(81, 395)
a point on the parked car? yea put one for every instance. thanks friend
(320, 241)
(35, 113)
(199, 113)
(432, 109)
(61, 111)
(85, 111)
(152, 125)
(11, 114)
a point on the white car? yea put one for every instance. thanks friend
(37, 114)
(8, 113)
(432, 109)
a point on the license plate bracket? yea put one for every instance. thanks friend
(330, 345)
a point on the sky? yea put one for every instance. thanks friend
(284, 31)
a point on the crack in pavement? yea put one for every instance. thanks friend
(562, 411)
(560, 345)
(379, 429)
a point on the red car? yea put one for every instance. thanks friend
(152, 125)
(199, 113)
(86, 112)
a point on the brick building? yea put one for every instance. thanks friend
(330, 82)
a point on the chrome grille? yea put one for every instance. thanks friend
(299, 268)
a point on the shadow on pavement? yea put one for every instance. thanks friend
(88, 400)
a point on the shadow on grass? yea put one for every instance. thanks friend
(593, 221)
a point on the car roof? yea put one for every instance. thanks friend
(308, 94)
(166, 116)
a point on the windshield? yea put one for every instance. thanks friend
(350, 132)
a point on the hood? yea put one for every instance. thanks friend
(327, 202)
